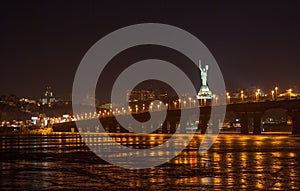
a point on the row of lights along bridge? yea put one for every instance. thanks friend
(190, 102)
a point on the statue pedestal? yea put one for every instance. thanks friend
(204, 93)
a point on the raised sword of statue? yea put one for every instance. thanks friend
(203, 73)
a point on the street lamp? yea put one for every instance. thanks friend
(276, 92)
(242, 96)
(290, 93)
(256, 96)
(175, 103)
(228, 98)
(272, 94)
(215, 97)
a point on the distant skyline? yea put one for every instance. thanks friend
(43, 42)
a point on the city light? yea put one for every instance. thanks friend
(242, 95)
(228, 97)
(272, 92)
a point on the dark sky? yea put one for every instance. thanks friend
(43, 42)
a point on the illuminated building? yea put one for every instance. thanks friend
(48, 98)
(140, 95)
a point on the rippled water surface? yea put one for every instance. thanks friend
(235, 162)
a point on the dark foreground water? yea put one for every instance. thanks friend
(235, 162)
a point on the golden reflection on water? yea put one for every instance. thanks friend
(234, 163)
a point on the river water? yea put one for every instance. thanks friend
(234, 162)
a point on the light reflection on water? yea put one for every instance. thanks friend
(235, 162)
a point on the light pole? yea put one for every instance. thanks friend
(228, 98)
(276, 92)
(242, 96)
(290, 93)
(257, 94)
(175, 103)
(272, 92)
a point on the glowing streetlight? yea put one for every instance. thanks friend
(228, 97)
(290, 93)
(190, 101)
(257, 96)
(215, 97)
(276, 91)
(272, 92)
(242, 96)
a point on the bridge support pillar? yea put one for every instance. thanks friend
(244, 124)
(296, 122)
(183, 124)
(172, 127)
(165, 127)
(257, 123)
(202, 126)
(215, 125)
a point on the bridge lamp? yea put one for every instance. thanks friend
(256, 96)
(290, 93)
(242, 95)
(276, 91)
(184, 103)
(175, 103)
(190, 100)
(228, 97)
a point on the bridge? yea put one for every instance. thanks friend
(245, 111)
(255, 111)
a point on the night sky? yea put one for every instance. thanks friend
(43, 42)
